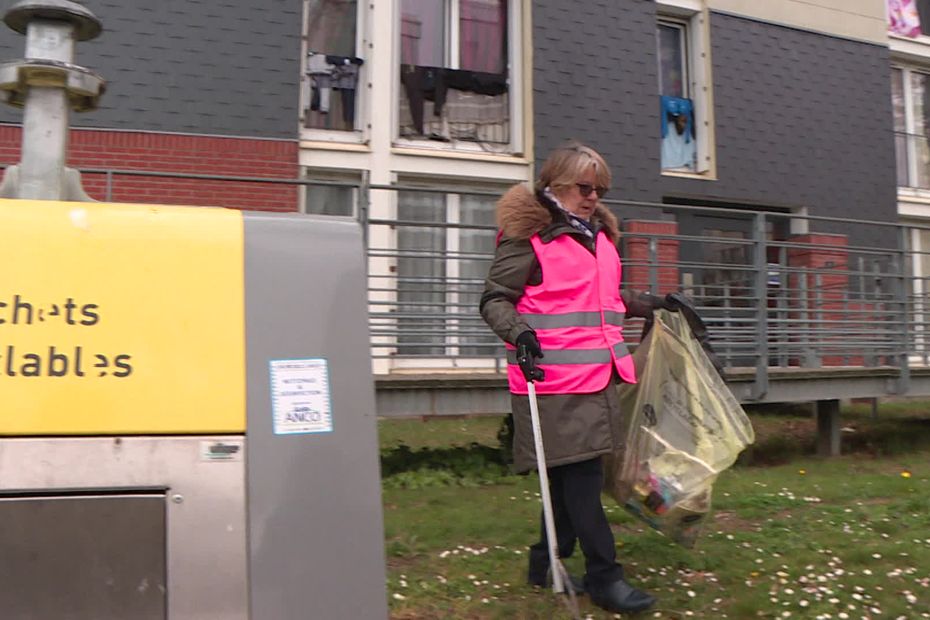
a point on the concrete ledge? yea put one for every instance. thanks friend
(441, 381)
(438, 394)
(736, 375)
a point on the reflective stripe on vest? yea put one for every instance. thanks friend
(577, 318)
(575, 356)
(573, 319)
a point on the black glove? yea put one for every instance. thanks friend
(674, 301)
(669, 302)
(647, 303)
(697, 326)
(528, 351)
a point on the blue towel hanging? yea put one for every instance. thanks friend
(676, 106)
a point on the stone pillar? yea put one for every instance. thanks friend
(828, 427)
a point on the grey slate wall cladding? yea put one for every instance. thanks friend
(595, 80)
(191, 66)
(802, 119)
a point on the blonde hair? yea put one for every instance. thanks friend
(566, 164)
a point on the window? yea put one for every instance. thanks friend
(909, 18)
(476, 247)
(421, 274)
(330, 192)
(330, 200)
(331, 66)
(920, 245)
(679, 142)
(900, 126)
(910, 91)
(685, 102)
(440, 273)
(673, 59)
(455, 86)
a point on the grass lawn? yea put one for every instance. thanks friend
(806, 538)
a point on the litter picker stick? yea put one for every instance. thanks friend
(559, 574)
(554, 562)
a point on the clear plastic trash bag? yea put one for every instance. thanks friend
(682, 426)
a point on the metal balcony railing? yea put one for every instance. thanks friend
(849, 293)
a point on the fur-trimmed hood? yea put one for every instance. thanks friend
(520, 215)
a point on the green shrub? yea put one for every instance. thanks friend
(471, 465)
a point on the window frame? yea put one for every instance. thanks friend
(452, 345)
(694, 18)
(351, 180)
(682, 27)
(361, 133)
(910, 126)
(909, 55)
(515, 86)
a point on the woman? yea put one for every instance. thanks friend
(553, 295)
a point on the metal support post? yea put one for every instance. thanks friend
(364, 206)
(828, 427)
(904, 379)
(653, 265)
(784, 342)
(843, 320)
(761, 385)
(818, 329)
(808, 359)
(727, 325)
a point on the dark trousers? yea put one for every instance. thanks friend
(579, 515)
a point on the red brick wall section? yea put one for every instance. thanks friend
(636, 259)
(833, 319)
(178, 153)
(827, 253)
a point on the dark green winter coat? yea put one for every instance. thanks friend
(575, 427)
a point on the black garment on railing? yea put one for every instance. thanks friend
(432, 83)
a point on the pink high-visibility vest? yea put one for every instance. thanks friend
(577, 314)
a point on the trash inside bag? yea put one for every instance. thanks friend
(682, 425)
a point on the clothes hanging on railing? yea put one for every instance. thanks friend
(329, 72)
(432, 83)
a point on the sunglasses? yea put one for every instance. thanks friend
(585, 190)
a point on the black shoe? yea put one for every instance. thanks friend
(575, 583)
(620, 597)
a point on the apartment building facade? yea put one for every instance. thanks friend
(412, 115)
(786, 109)
(909, 45)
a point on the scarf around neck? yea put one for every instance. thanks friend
(583, 226)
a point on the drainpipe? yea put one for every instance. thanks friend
(47, 85)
